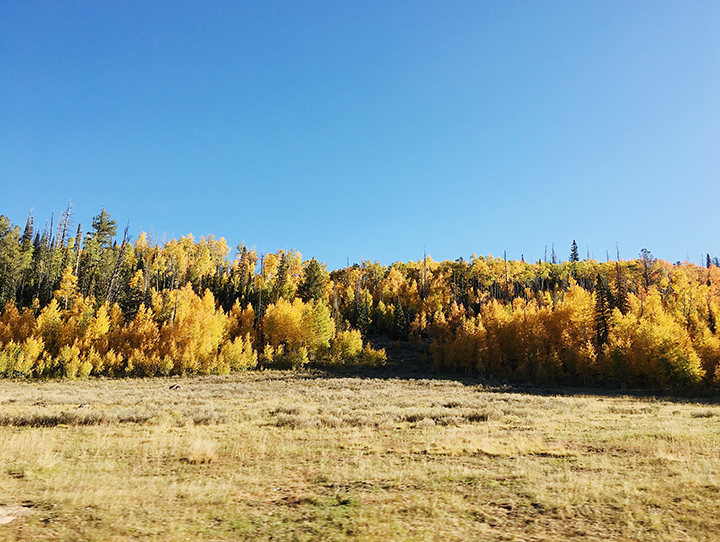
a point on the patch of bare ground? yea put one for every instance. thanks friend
(307, 456)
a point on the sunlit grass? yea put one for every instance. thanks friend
(296, 456)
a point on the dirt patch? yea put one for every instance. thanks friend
(9, 513)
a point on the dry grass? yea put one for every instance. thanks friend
(297, 456)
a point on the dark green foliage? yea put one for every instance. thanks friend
(313, 286)
(712, 322)
(282, 287)
(10, 263)
(103, 229)
(363, 308)
(399, 329)
(97, 264)
(620, 300)
(602, 311)
(574, 255)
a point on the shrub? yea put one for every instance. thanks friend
(346, 347)
(373, 358)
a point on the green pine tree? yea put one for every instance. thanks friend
(574, 255)
(313, 286)
(602, 311)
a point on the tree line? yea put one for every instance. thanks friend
(81, 303)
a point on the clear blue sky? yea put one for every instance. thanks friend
(369, 129)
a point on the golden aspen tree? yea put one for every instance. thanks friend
(572, 330)
(495, 318)
(233, 320)
(663, 353)
(15, 325)
(707, 346)
(30, 351)
(283, 324)
(318, 328)
(69, 361)
(194, 336)
(392, 284)
(141, 335)
(68, 290)
(98, 328)
(237, 355)
(75, 322)
(49, 322)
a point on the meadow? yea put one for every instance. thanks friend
(304, 455)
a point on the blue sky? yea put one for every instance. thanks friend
(370, 129)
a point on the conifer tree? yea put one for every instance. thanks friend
(621, 294)
(313, 286)
(363, 308)
(399, 329)
(574, 255)
(9, 260)
(602, 311)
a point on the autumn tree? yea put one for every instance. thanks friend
(648, 263)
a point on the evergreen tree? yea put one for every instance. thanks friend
(620, 300)
(97, 260)
(574, 256)
(363, 310)
(712, 322)
(313, 285)
(282, 287)
(103, 229)
(602, 311)
(10, 269)
(399, 329)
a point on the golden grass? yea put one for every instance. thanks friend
(299, 456)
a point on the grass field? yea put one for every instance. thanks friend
(304, 456)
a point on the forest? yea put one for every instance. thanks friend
(79, 303)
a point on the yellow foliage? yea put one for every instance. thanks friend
(653, 348)
(48, 325)
(283, 324)
(16, 326)
(346, 347)
(68, 288)
(142, 334)
(194, 337)
(298, 325)
(69, 362)
(371, 357)
(241, 322)
(238, 355)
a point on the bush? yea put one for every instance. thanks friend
(346, 347)
(373, 358)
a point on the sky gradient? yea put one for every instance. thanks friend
(351, 130)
